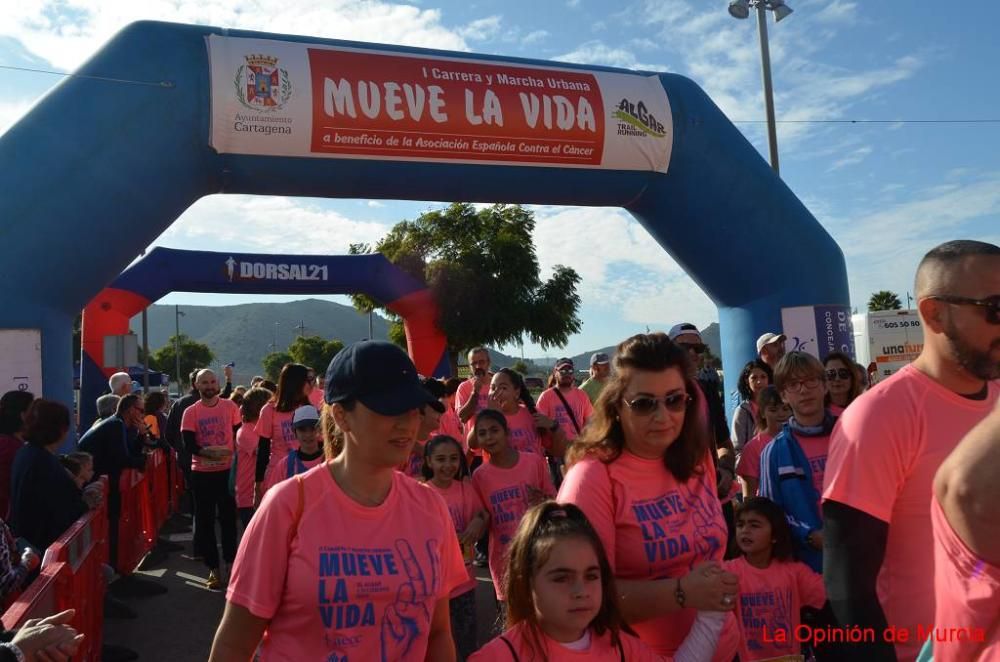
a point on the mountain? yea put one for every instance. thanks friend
(245, 333)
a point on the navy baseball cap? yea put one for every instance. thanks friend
(379, 375)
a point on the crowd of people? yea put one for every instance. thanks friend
(621, 519)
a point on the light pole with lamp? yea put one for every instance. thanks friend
(177, 346)
(741, 9)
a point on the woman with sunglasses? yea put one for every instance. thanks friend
(642, 472)
(842, 382)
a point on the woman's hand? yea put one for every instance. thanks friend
(49, 638)
(543, 422)
(709, 587)
(473, 532)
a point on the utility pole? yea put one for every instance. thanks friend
(145, 354)
(177, 345)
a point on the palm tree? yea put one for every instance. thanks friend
(884, 300)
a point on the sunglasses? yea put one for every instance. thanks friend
(691, 347)
(990, 304)
(839, 373)
(566, 371)
(645, 405)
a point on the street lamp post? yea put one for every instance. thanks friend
(741, 9)
(177, 346)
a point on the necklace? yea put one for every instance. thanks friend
(360, 498)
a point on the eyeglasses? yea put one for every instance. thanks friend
(990, 304)
(645, 405)
(566, 371)
(796, 385)
(839, 373)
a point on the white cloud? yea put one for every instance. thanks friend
(11, 111)
(66, 32)
(596, 52)
(534, 37)
(481, 29)
(855, 157)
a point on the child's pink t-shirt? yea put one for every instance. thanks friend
(600, 650)
(749, 464)
(288, 466)
(967, 591)
(349, 581)
(277, 426)
(451, 425)
(246, 463)
(521, 433)
(768, 603)
(816, 450)
(884, 452)
(212, 426)
(414, 465)
(550, 405)
(316, 399)
(654, 527)
(463, 504)
(504, 494)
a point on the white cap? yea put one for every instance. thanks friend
(306, 414)
(769, 338)
(684, 329)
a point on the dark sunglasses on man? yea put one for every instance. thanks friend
(839, 373)
(990, 305)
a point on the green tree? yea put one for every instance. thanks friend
(884, 300)
(193, 355)
(520, 366)
(274, 362)
(483, 271)
(314, 352)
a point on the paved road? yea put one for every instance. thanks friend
(179, 625)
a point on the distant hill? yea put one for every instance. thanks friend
(245, 333)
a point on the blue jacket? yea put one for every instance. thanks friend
(786, 479)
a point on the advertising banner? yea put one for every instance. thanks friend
(292, 99)
(21, 360)
(818, 330)
(895, 338)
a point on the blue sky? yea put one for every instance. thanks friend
(886, 192)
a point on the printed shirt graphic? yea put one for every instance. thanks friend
(277, 426)
(504, 493)
(749, 464)
(550, 405)
(967, 589)
(600, 650)
(767, 606)
(521, 432)
(884, 452)
(414, 465)
(654, 527)
(463, 504)
(289, 466)
(816, 450)
(246, 461)
(356, 584)
(212, 426)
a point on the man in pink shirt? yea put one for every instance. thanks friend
(564, 402)
(478, 383)
(886, 448)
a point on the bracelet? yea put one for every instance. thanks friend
(679, 594)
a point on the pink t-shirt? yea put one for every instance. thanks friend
(414, 465)
(465, 390)
(521, 432)
(212, 427)
(654, 527)
(246, 463)
(600, 650)
(316, 399)
(884, 453)
(816, 450)
(354, 582)
(277, 426)
(768, 605)
(451, 425)
(504, 494)
(463, 504)
(967, 592)
(550, 405)
(288, 466)
(836, 410)
(749, 464)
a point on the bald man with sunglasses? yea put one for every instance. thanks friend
(887, 446)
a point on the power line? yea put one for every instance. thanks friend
(956, 121)
(107, 79)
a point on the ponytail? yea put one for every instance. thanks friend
(518, 381)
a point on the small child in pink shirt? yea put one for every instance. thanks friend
(447, 473)
(772, 413)
(773, 586)
(508, 483)
(305, 422)
(245, 462)
(562, 600)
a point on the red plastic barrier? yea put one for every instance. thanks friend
(157, 505)
(134, 540)
(176, 483)
(72, 577)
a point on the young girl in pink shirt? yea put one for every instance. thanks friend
(447, 472)
(245, 462)
(508, 483)
(772, 413)
(562, 599)
(773, 586)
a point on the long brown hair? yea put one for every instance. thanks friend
(290, 394)
(541, 528)
(604, 437)
(855, 389)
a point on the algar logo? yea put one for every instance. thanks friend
(636, 120)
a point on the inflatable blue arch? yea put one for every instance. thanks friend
(166, 270)
(165, 114)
